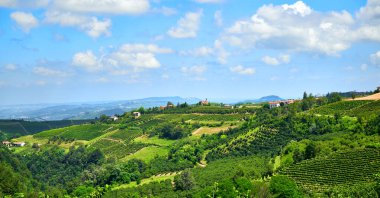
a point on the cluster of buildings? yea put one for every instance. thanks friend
(16, 144)
(276, 104)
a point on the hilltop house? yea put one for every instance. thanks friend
(136, 114)
(203, 102)
(9, 144)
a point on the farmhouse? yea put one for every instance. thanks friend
(136, 114)
(18, 144)
(114, 118)
(278, 103)
(228, 106)
(274, 104)
(6, 143)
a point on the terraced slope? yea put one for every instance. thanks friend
(341, 169)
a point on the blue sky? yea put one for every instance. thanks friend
(55, 51)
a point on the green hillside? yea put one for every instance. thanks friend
(290, 151)
(13, 128)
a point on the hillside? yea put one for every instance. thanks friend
(201, 151)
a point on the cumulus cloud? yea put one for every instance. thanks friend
(297, 27)
(218, 18)
(276, 60)
(375, 58)
(125, 60)
(164, 10)
(199, 52)
(243, 70)
(187, 27)
(87, 60)
(26, 21)
(91, 25)
(104, 6)
(195, 72)
(24, 3)
(44, 71)
(209, 1)
(10, 67)
(221, 53)
(197, 69)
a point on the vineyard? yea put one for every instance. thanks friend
(115, 148)
(341, 169)
(355, 108)
(341, 107)
(127, 135)
(78, 132)
(261, 140)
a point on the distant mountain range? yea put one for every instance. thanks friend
(263, 99)
(84, 111)
(78, 111)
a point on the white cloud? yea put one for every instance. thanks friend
(375, 58)
(209, 1)
(91, 25)
(136, 48)
(297, 27)
(270, 60)
(274, 78)
(43, 71)
(187, 27)
(26, 21)
(199, 52)
(243, 70)
(24, 3)
(196, 70)
(125, 60)
(276, 61)
(364, 67)
(218, 18)
(87, 60)
(103, 6)
(102, 80)
(165, 11)
(10, 67)
(220, 52)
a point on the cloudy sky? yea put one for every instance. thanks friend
(83, 50)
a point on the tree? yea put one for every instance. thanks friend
(353, 95)
(184, 181)
(333, 97)
(310, 151)
(304, 95)
(282, 186)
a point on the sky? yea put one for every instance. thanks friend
(56, 51)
